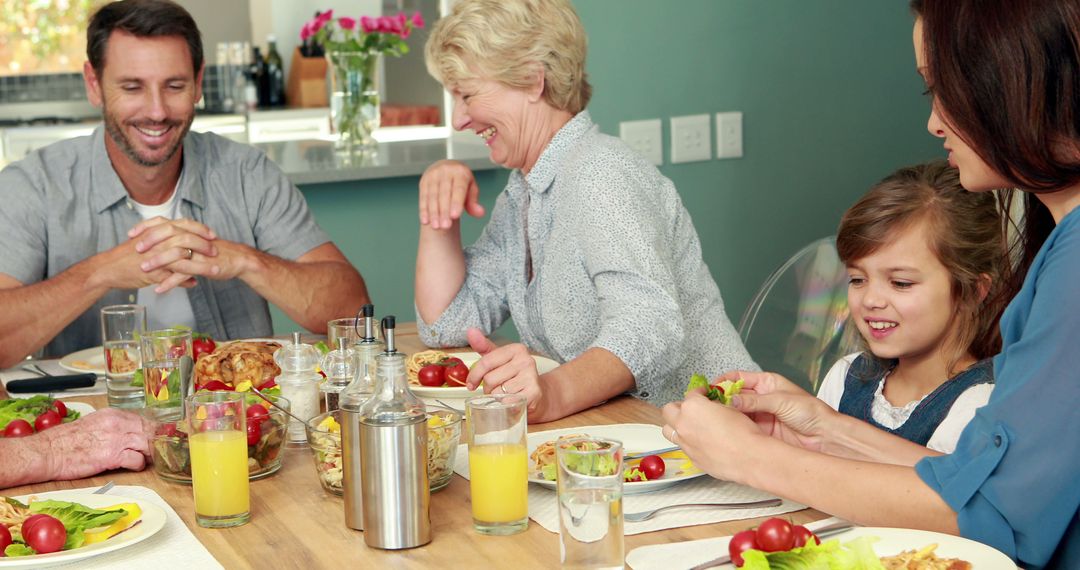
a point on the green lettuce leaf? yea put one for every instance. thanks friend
(138, 379)
(18, 549)
(857, 554)
(697, 381)
(549, 472)
(591, 464)
(721, 392)
(76, 518)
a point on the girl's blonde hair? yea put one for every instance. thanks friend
(506, 41)
(965, 234)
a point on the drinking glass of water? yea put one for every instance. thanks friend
(166, 368)
(590, 502)
(121, 326)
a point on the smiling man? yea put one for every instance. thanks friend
(201, 230)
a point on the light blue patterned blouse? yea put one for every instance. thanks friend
(617, 265)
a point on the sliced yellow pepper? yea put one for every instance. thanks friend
(100, 534)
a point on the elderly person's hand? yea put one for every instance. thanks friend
(508, 369)
(100, 441)
(447, 188)
(103, 440)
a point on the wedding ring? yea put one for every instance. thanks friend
(503, 388)
(674, 434)
(190, 253)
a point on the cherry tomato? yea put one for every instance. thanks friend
(775, 535)
(432, 375)
(257, 414)
(176, 351)
(741, 542)
(61, 408)
(44, 534)
(18, 428)
(167, 430)
(48, 419)
(254, 432)
(5, 538)
(202, 344)
(216, 386)
(653, 467)
(456, 374)
(803, 535)
(451, 361)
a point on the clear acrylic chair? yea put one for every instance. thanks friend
(796, 325)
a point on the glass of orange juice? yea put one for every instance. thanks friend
(219, 458)
(498, 463)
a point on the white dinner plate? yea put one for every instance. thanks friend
(635, 438)
(543, 365)
(891, 541)
(152, 520)
(86, 360)
(80, 407)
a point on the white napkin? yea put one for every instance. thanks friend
(52, 367)
(690, 553)
(544, 508)
(172, 547)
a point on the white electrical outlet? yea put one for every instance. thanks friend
(645, 138)
(729, 135)
(691, 139)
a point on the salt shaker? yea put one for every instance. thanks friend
(341, 367)
(393, 456)
(299, 384)
(348, 416)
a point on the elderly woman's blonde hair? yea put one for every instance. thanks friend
(505, 40)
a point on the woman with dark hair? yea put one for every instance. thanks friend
(1005, 81)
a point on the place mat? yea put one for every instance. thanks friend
(172, 547)
(544, 507)
(689, 553)
(52, 367)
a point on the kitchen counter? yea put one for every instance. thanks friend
(316, 161)
(299, 142)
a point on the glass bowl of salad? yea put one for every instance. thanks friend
(266, 433)
(444, 434)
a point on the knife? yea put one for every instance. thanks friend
(640, 454)
(51, 383)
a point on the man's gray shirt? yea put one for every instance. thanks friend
(64, 203)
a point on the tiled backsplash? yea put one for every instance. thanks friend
(70, 87)
(44, 87)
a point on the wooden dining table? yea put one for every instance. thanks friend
(296, 524)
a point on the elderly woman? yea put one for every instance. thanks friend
(588, 248)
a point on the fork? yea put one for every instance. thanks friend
(646, 515)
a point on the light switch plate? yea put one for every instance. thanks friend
(645, 137)
(691, 139)
(729, 135)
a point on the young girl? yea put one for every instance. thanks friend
(924, 260)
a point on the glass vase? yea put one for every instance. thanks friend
(354, 99)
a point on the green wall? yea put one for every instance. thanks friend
(831, 104)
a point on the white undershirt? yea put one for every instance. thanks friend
(948, 431)
(172, 307)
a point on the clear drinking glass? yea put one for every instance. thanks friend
(498, 463)
(121, 326)
(590, 502)
(219, 458)
(351, 328)
(166, 367)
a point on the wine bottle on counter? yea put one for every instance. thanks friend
(275, 74)
(257, 78)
